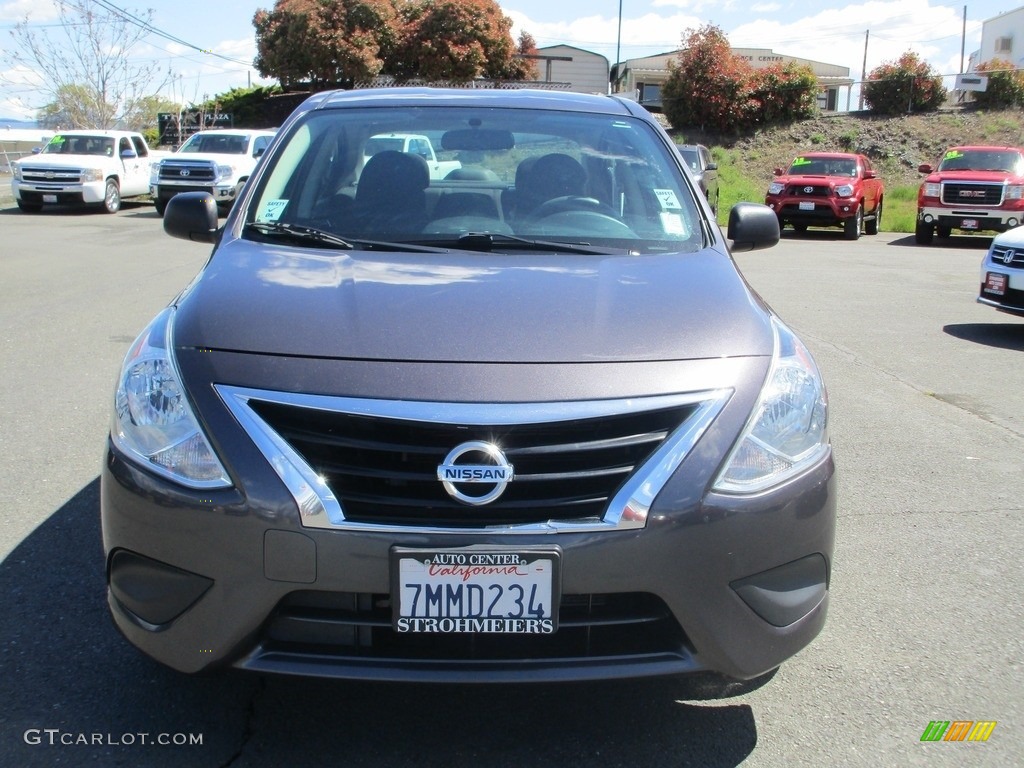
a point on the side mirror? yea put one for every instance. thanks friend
(924, 168)
(777, 172)
(752, 226)
(129, 154)
(192, 216)
(712, 167)
(870, 175)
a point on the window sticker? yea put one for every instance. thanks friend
(668, 200)
(57, 140)
(801, 161)
(673, 224)
(271, 210)
(953, 155)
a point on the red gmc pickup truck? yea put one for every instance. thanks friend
(974, 189)
(828, 189)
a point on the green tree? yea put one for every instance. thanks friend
(782, 93)
(84, 64)
(707, 84)
(1005, 85)
(325, 43)
(908, 84)
(458, 40)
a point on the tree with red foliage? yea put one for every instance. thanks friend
(908, 84)
(325, 43)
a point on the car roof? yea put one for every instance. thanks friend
(830, 155)
(525, 98)
(983, 148)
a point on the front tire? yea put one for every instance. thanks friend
(924, 233)
(160, 205)
(29, 207)
(872, 226)
(944, 231)
(853, 225)
(112, 197)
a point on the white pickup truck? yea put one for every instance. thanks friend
(84, 168)
(214, 161)
(412, 144)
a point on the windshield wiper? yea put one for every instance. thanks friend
(300, 233)
(486, 241)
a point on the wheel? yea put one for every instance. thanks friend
(853, 225)
(942, 231)
(160, 205)
(29, 207)
(874, 224)
(801, 228)
(112, 197)
(923, 233)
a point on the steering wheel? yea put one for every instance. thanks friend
(572, 203)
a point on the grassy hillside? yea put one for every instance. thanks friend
(896, 146)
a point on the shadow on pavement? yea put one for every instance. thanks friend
(1007, 335)
(958, 242)
(66, 675)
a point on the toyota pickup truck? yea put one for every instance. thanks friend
(828, 189)
(81, 167)
(216, 161)
(412, 144)
(973, 189)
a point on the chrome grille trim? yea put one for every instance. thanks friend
(320, 508)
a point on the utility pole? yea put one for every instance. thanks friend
(618, 45)
(864, 72)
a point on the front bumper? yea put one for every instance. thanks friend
(222, 193)
(200, 580)
(89, 193)
(970, 219)
(824, 213)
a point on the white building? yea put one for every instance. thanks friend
(581, 71)
(642, 78)
(1002, 37)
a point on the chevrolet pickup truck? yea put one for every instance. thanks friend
(216, 161)
(828, 189)
(412, 144)
(973, 189)
(82, 167)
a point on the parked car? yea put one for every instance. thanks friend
(973, 189)
(828, 189)
(1002, 273)
(536, 427)
(704, 169)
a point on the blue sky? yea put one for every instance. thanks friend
(831, 31)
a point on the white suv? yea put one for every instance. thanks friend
(1002, 273)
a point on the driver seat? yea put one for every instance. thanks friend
(546, 178)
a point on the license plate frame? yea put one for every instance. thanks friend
(969, 224)
(995, 283)
(476, 589)
(49, 198)
(805, 205)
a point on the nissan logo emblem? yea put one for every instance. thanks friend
(183, 172)
(1009, 256)
(495, 472)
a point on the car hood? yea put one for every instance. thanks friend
(209, 157)
(64, 161)
(471, 307)
(816, 180)
(1014, 238)
(991, 176)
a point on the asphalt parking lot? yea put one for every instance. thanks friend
(927, 394)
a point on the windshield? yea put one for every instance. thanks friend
(983, 160)
(62, 144)
(823, 166)
(572, 177)
(218, 143)
(690, 158)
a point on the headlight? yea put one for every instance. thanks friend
(931, 190)
(225, 171)
(16, 172)
(153, 421)
(788, 430)
(1015, 192)
(154, 168)
(776, 187)
(846, 190)
(92, 174)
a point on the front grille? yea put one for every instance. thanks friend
(383, 470)
(805, 190)
(998, 256)
(358, 625)
(971, 193)
(192, 172)
(59, 177)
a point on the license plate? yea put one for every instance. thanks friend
(969, 224)
(806, 206)
(496, 591)
(995, 283)
(49, 198)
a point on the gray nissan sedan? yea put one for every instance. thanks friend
(520, 421)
